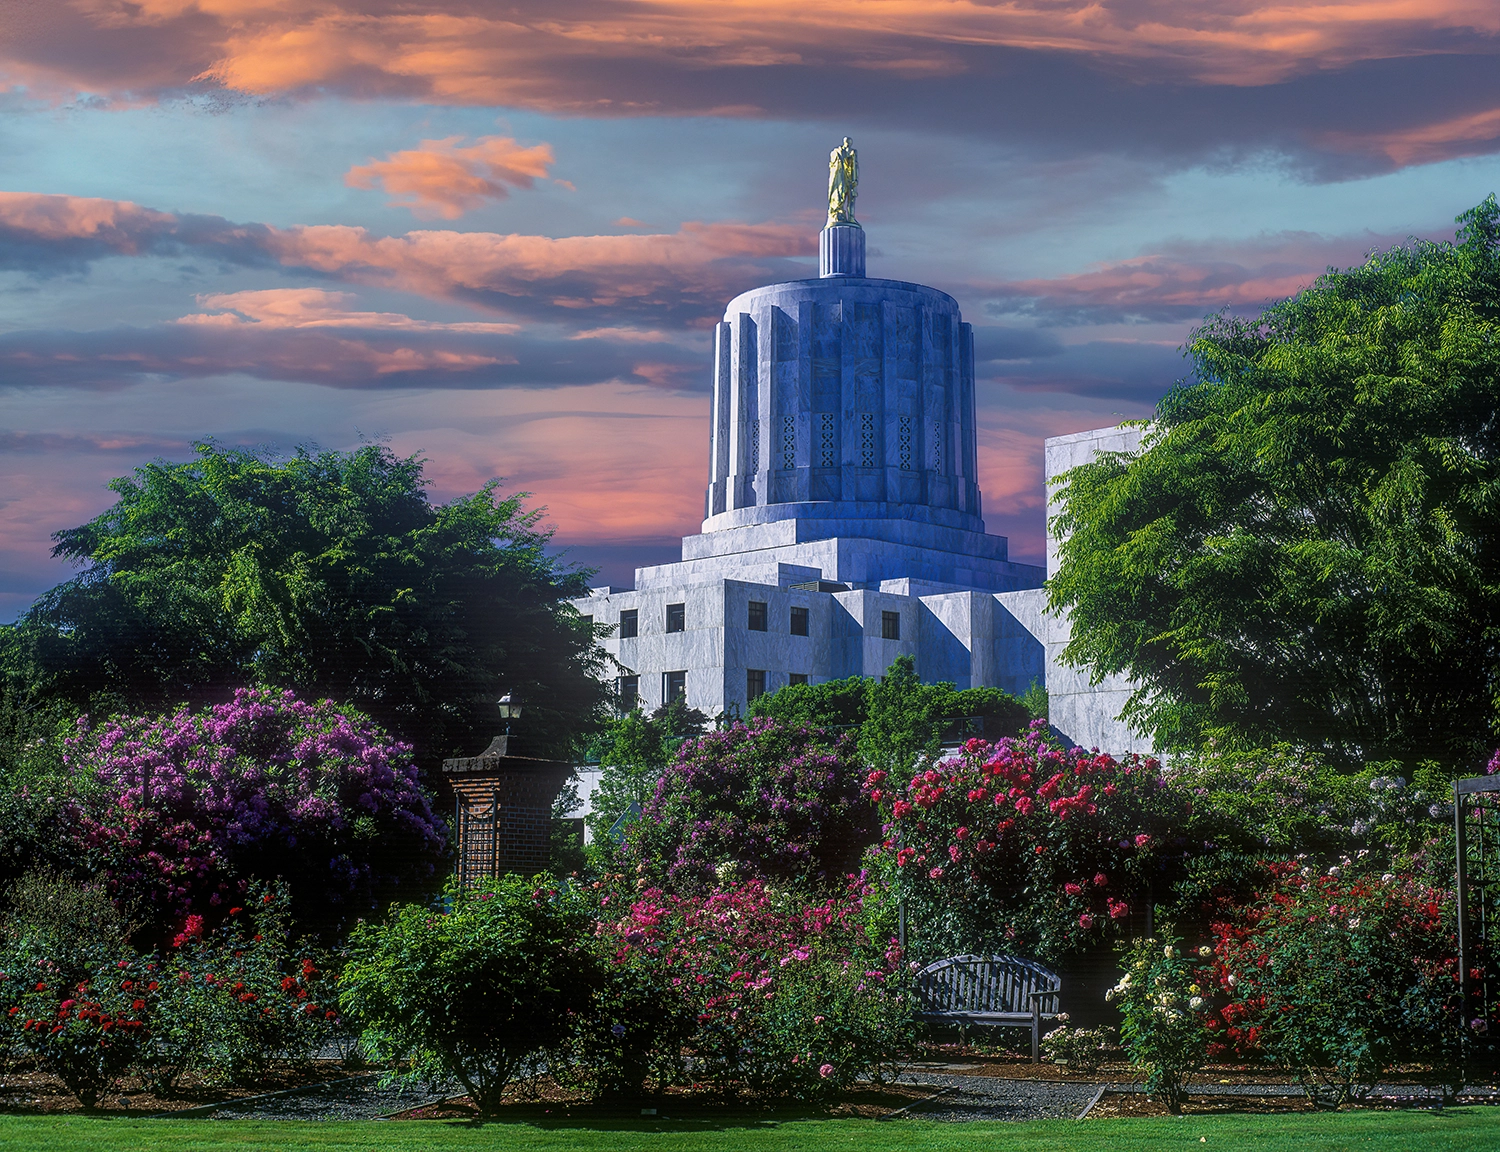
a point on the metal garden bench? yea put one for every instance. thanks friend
(989, 990)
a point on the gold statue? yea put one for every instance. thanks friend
(843, 183)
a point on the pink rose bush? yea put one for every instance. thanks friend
(180, 811)
(788, 996)
(1025, 847)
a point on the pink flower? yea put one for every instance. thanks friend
(1073, 889)
(1142, 840)
(1085, 921)
(935, 873)
(1100, 880)
(826, 1071)
(961, 833)
(1118, 909)
(955, 853)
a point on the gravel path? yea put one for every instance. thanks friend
(355, 1098)
(996, 1098)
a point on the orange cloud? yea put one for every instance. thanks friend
(687, 274)
(440, 178)
(540, 53)
(318, 308)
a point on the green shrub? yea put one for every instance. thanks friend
(1336, 974)
(480, 992)
(1162, 1008)
(232, 1000)
(71, 989)
(1078, 1049)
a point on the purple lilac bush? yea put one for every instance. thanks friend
(180, 811)
(766, 801)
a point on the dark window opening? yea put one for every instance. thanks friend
(755, 683)
(797, 678)
(588, 619)
(799, 621)
(673, 686)
(630, 692)
(629, 623)
(890, 625)
(757, 620)
(676, 617)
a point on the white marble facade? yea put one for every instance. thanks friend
(842, 521)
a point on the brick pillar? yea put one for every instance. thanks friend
(503, 810)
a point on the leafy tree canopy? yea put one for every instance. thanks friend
(331, 574)
(897, 716)
(1306, 547)
(634, 750)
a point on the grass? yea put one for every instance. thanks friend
(1458, 1128)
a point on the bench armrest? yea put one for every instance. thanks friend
(1049, 992)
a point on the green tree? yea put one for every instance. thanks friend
(1306, 547)
(331, 574)
(634, 749)
(897, 717)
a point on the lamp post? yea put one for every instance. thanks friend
(510, 709)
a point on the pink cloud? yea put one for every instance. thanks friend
(439, 178)
(687, 274)
(1184, 279)
(539, 53)
(317, 308)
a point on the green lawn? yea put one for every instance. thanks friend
(1461, 1128)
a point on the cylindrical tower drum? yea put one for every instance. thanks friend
(843, 390)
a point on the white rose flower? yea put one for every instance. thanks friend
(1205, 951)
(1195, 1003)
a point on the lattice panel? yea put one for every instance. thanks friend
(937, 445)
(903, 442)
(867, 440)
(789, 441)
(827, 457)
(754, 447)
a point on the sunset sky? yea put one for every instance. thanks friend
(497, 234)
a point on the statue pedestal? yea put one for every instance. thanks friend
(841, 250)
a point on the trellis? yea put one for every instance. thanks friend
(1476, 828)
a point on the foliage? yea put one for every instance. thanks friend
(897, 716)
(789, 997)
(331, 574)
(65, 994)
(1079, 1049)
(768, 800)
(1336, 975)
(1162, 1011)
(1304, 549)
(635, 749)
(86, 1031)
(193, 805)
(226, 1002)
(478, 993)
(1024, 847)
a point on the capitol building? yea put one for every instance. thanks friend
(843, 523)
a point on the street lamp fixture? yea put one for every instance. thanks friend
(510, 709)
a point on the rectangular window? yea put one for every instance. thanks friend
(890, 625)
(799, 621)
(755, 683)
(630, 692)
(797, 678)
(673, 686)
(629, 623)
(757, 621)
(676, 617)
